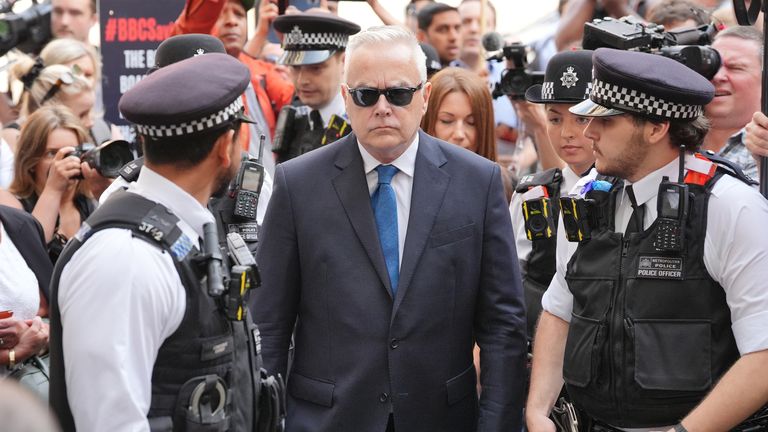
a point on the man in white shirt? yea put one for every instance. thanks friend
(656, 319)
(137, 336)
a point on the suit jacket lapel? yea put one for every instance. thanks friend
(352, 188)
(430, 183)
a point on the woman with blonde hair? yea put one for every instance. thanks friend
(460, 111)
(46, 174)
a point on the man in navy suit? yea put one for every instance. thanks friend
(390, 253)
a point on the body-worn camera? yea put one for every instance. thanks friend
(685, 46)
(539, 218)
(27, 31)
(515, 80)
(575, 218)
(108, 158)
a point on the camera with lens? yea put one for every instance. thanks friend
(685, 46)
(107, 158)
(516, 79)
(27, 31)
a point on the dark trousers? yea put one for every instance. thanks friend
(391, 424)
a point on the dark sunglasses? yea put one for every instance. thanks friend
(398, 96)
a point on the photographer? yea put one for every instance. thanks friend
(46, 175)
(737, 95)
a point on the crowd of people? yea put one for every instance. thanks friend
(427, 246)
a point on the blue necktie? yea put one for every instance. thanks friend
(385, 211)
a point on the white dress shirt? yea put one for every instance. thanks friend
(402, 183)
(120, 298)
(525, 246)
(336, 106)
(19, 290)
(734, 252)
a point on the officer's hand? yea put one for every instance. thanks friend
(97, 183)
(532, 115)
(32, 340)
(64, 170)
(268, 11)
(539, 423)
(756, 137)
(10, 332)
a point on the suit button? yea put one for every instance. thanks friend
(394, 343)
(383, 397)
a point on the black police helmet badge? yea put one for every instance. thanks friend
(567, 79)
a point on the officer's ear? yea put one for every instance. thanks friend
(222, 148)
(656, 131)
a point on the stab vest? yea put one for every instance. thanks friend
(539, 269)
(206, 349)
(650, 333)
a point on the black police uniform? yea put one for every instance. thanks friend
(634, 357)
(310, 38)
(207, 374)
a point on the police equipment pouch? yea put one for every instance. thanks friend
(672, 207)
(202, 405)
(575, 214)
(284, 129)
(212, 259)
(247, 188)
(337, 128)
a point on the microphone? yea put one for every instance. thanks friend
(492, 41)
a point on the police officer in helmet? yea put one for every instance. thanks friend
(314, 43)
(139, 340)
(655, 319)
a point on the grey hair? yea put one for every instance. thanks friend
(388, 36)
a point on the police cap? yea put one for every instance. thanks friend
(567, 80)
(195, 95)
(312, 37)
(180, 47)
(645, 84)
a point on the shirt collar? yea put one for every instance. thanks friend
(647, 188)
(155, 187)
(406, 162)
(336, 106)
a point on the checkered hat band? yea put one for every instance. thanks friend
(615, 96)
(548, 90)
(314, 41)
(589, 89)
(210, 122)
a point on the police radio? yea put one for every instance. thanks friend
(337, 128)
(247, 188)
(672, 207)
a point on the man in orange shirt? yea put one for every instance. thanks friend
(226, 19)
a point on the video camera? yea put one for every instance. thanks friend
(27, 31)
(685, 46)
(515, 80)
(108, 158)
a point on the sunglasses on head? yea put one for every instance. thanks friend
(398, 96)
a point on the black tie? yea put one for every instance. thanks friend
(317, 120)
(638, 213)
